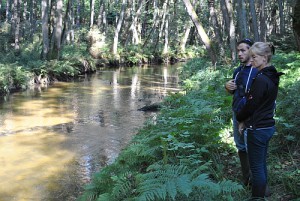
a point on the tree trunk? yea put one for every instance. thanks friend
(58, 29)
(24, 10)
(118, 28)
(273, 24)
(226, 7)
(216, 27)
(155, 22)
(242, 20)
(162, 24)
(133, 27)
(67, 22)
(78, 13)
(7, 11)
(225, 16)
(227, 11)
(166, 43)
(16, 24)
(296, 23)
(185, 36)
(254, 20)
(201, 31)
(100, 15)
(263, 34)
(45, 29)
(92, 12)
(281, 17)
(32, 17)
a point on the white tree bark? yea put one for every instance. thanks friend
(92, 12)
(206, 41)
(118, 28)
(45, 31)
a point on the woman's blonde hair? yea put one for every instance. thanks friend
(262, 49)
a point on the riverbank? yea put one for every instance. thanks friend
(19, 72)
(187, 153)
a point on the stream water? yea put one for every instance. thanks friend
(52, 139)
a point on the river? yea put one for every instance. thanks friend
(53, 138)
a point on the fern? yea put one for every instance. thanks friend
(104, 197)
(123, 185)
(171, 181)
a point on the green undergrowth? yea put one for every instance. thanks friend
(20, 70)
(284, 165)
(187, 152)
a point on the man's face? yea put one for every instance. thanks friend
(243, 49)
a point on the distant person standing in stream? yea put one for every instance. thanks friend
(238, 87)
(257, 116)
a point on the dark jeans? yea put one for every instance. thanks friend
(238, 138)
(257, 145)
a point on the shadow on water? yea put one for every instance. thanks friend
(54, 138)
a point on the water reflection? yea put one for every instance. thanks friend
(52, 139)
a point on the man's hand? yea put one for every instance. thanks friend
(241, 127)
(230, 86)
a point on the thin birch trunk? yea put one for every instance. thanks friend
(163, 21)
(7, 11)
(24, 10)
(32, 17)
(186, 34)
(216, 27)
(201, 31)
(254, 20)
(154, 24)
(59, 24)
(281, 17)
(45, 29)
(225, 16)
(78, 13)
(100, 17)
(263, 35)
(15, 26)
(92, 12)
(296, 23)
(133, 27)
(118, 28)
(166, 43)
(67, 22)
(243, 25)
(232, 35)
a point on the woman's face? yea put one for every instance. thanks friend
(258, 61)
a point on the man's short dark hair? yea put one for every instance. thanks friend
(246, 41)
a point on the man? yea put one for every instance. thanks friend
(239, 86)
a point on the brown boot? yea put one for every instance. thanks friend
(258, 192)
(245, 167)
(267, 192)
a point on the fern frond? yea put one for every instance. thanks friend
(164, 181)
(104, 197)
(123, 185)
(228, 186)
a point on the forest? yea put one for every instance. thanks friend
(46, 40)
(42, 41)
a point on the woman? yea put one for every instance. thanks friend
(257, 116)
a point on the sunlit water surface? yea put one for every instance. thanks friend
(52, 139)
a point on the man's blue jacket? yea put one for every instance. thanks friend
(243, 76)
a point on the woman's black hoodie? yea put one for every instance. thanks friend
(261, 100)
